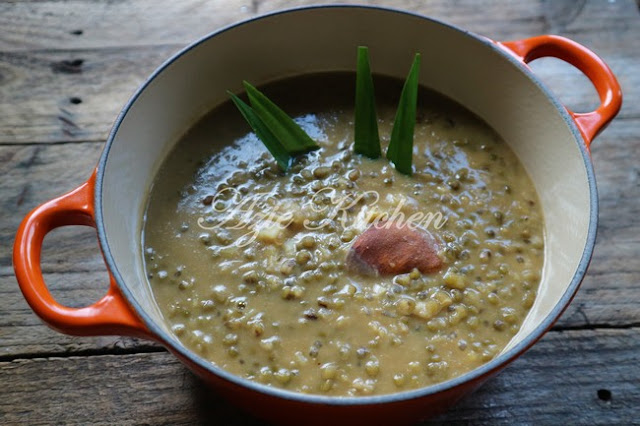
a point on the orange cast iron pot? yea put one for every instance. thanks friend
(122, 311)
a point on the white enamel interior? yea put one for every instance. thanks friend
(324, 39)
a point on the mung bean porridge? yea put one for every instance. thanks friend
(254, 268)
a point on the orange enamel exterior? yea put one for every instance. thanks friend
(109, 315)
(606, 84)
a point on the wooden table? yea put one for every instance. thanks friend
(66, 69)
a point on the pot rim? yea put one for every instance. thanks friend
(474, 375)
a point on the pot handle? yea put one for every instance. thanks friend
(608, 88)
(111, 315)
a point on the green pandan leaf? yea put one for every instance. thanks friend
(282, 156)
(292, 137)
(400, 151)
(367, 140)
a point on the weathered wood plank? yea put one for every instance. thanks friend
(23, 334)
(30, 176)
(563, 379)
(89, 24)
(59, 96)
(98, 52)
(577, 377)
(610, 289)
(38, 88)
(33, 174)
(76, 96)
(506, 19)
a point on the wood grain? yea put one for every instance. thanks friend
(556, 382)
(32, 174)
(62, 96)
(87, 24)
(74, 266)
(66, 69)
(72, 263)
(42, 75)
